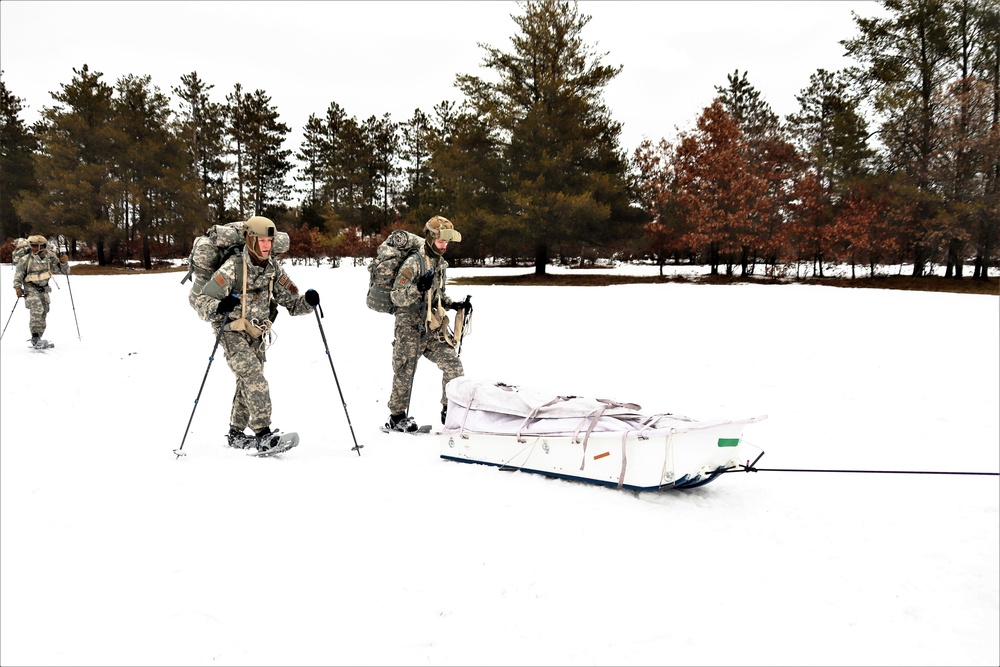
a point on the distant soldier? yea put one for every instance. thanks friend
(421, 325)
(31, 280)
(237, 299)
(21, 248)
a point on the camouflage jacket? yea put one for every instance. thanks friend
(405, 294)
(264, 283)
(36, 270)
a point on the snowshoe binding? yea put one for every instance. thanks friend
(39, 343)
(239, 439)
(270, 443)
(402, 423)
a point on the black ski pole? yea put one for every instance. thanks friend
(211, 358)
(71, 299)
(318, 310)
(465, 322)
(11, 315)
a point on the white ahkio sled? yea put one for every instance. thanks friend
(589, 440)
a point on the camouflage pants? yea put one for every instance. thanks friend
(407, 348)
(252, 399)
(36, 300)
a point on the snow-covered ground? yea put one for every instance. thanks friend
(116, 552)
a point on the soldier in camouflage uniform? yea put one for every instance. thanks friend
(421, 325)
(237, 299)
(31, 280)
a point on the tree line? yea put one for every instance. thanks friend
(894, 160)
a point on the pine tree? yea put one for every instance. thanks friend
(467, 173)
(564, 173)
(337, 134)
(415, 152)
(830, 130)
(17, 173)
(907, 61)
(774, 161)
(77, 153)
(202, 127)
(313, 154)
(262, 164)
(157, 193)
(382, 136)
(832, 136)
(986, 69)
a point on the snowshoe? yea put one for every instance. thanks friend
(37, 343)
(401, 423)
(273, 443)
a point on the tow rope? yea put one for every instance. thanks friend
(750, 467)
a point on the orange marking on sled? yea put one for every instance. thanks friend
(601, 456)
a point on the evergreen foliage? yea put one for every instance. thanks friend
(895, 160)
(202, 128)
(17, 173)
(562, 174)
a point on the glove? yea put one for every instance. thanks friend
(462, 305)
(64, 258)
(227, 304)
(19, 292)
(312, 297)
(424, 281)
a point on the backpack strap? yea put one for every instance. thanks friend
(243, 299)
(254, 328)
(428, 297)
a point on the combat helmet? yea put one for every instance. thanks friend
(257, 226)
(37, 240)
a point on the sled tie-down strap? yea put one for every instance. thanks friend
(468, 410)
(533, 415)
(593, 418)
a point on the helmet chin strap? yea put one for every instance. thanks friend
(254, 250)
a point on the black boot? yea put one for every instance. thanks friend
(34, 339)
(265, 438)
(239, 439)
(400, 422)
(444, 414)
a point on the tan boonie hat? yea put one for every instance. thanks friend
(441, 228)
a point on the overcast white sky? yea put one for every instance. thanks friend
(382, 57)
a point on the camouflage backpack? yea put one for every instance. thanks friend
(390, 256)
(214, 247)
(21, 248)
